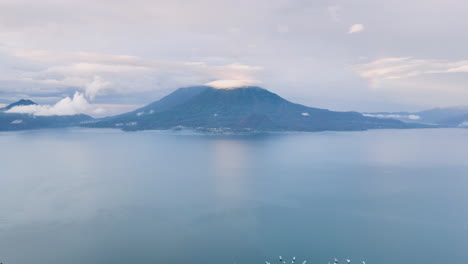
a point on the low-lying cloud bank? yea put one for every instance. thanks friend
(463, 124)
(78, 104)
(409, 117)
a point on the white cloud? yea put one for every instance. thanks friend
(356, 28)
(17, 121)
(463, 68)
(407, 67)
(414, 117)
(93, 88)
(231, 84)
(67, 106)
(410, 117)
(463, 124)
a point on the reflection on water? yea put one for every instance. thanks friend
(230, 160)
(105, 196)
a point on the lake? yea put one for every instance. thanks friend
(106, 196)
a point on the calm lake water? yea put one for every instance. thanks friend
(106, 196)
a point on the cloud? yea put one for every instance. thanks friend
(413, 117)
(95, 86)
(92, 68)
(239, 66)
(102, 110)
(410, 117)
(230, 84)
(93, 75)
(463, 68)
(407, 67)
(79, 56)
(426, 83)
(463, 124)
(144, 50)
(356, 28)
(96, 74)
(67, 106)
(17, 121)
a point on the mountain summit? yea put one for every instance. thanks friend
(242, 109)
(19, 103)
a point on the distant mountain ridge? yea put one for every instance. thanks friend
(240, 109)
(449, 117)
(18, 121)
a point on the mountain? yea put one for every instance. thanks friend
(240, 109)
(17, 121)
(19, 103)
(449, 117)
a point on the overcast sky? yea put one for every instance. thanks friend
(364, 55)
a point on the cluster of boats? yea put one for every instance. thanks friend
(293, 261)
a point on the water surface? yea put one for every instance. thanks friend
(106, 196)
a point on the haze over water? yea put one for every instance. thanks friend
(106, 196)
